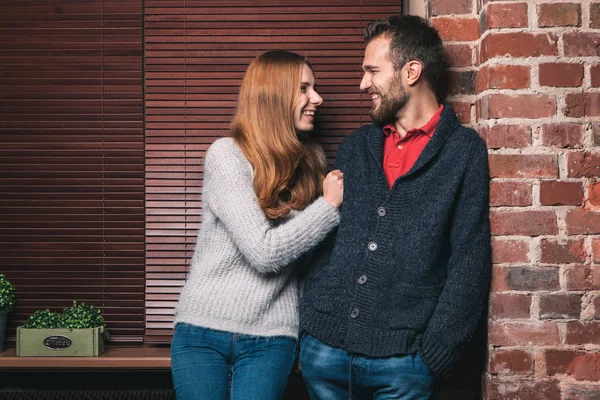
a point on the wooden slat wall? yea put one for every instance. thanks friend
(196, 54)
(72, 158)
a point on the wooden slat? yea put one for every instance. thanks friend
(196, 54)
(72, 158)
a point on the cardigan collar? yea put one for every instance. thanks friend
(448, 124)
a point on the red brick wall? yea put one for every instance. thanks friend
(526, 74)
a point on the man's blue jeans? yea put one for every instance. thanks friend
(215, 365)
(332, 373)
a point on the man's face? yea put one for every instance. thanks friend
(382, 82)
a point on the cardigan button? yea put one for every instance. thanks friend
(381, 212)
(355, 313)
(372, 246)
(362, 280)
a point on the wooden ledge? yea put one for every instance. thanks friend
(113, 358)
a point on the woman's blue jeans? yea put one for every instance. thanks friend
(216, 365)
(332, 373)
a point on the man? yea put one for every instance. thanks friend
(396, 293)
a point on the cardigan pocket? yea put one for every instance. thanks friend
(321, 295)
(410, 306)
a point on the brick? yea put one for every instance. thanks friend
(559, 14)
(581, 44)
(523, 333)
(594, 195)
(458, 82)
(583, 333)
(562, 135)
(506, 16)
(534, 389)
(596, 250)
(507, 278)
(530, 278)
(557, 361)
(561, 74)
(457, 29)
(558, 193)
(481, 108)
(578, 105)
(523, 166)
(595, 15)
(563, 251)
(508, 136)
(596, 133)
(503, 77)
(484, 132)
(518, 44)
(527, 223)
(577, 364)
(510, 194)
(512, 251)
(582, 277)
(581, 221)
(582, 391)
(449, 7)
(499, 275)
(583, 164)
(458, 55)
(462, 110)
(597, 307)
(509, 305)
(595, 272)
(595, 74)
(555, 306)
(510, 362)
(509, 77)
(521, 106)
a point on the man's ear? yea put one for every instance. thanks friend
(413, 70)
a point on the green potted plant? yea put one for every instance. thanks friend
(7, 303)
(77, 332)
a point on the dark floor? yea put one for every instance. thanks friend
(92, 385)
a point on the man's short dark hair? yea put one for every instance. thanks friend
(412, 39)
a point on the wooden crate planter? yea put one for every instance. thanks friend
(84, 342)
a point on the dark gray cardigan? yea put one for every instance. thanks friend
(409, 267)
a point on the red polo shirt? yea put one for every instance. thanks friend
(400, 154)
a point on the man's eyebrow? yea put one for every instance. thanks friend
(369, 67)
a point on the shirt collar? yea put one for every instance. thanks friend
(428, 129)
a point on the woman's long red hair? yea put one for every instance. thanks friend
(288, 174)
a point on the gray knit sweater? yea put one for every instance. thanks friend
(242, 277)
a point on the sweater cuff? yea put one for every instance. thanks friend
(331, 213)
(437, 356)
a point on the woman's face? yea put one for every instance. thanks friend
(308, 101)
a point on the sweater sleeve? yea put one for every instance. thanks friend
(469, 268)
(267, 246)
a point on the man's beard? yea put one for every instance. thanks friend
(389, 103)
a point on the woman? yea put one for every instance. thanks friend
(237, 317)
